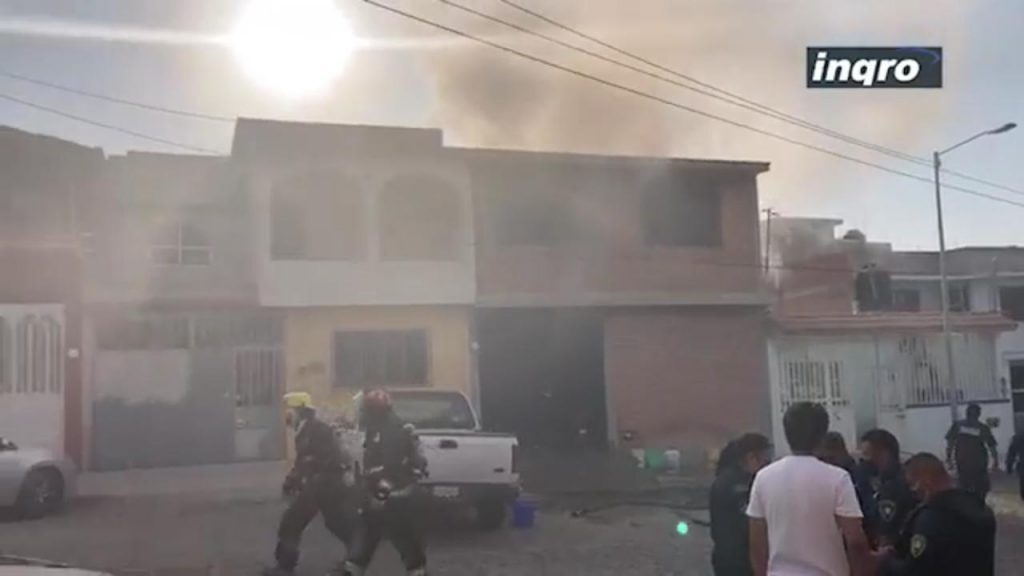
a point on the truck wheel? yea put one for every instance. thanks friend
(41, 493)
(490, 514)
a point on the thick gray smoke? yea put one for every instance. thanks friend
(754, 48)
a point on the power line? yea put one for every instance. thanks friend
(116, 100)
(738, 100)
(674, 104)
(106, 126)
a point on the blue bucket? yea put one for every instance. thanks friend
(523, 514)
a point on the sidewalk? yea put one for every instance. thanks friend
(1005, 496)
(251, 479)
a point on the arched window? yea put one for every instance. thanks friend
(181, 244)
(317, 217)
(419, 219)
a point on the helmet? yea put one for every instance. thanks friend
(298, 400)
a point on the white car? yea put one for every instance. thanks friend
(466, 467)
(34, 482)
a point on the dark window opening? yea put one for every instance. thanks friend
(1011, 301)
(383, 358)
(959, 299)
(527, 217)
(906, 300)
(682, 212)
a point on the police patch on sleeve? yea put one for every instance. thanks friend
(917, 545)
(887, 509)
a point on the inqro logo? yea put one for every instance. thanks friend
(875, 67)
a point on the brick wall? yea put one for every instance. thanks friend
(687, 379)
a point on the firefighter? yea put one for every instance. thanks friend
(952, 533)
(392, 466)
(320, 482)
(739, 462)
(892, 497)
(968, 443)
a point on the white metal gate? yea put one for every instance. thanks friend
(32, 375)
(805, 372)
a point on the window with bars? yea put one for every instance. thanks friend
(181, 244)
(258, 377)
(34, 357)
(382, 358)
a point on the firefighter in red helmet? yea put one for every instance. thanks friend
(392, 465)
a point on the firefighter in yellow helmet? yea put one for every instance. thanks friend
(320, 482)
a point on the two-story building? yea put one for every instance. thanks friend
(44, 183)
(363, 241)
(981, 279)
(184, 367)
(619, 299)
(881, 365)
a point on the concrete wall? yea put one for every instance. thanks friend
(607, 260)
(923, 429)
(368, 278)
(309, 333)
(687, 379)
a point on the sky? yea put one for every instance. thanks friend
(165, 53)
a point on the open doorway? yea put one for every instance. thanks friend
(542, 376)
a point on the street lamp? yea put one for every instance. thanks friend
(947, 336)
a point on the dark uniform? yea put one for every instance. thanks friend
(392, 464)
(730, 493)
(1015, 460)
(893, 503)
(953, 534)
(316, 484)
(971, 442)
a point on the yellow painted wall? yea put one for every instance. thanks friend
(308, 334)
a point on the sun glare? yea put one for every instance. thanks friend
(295, 48)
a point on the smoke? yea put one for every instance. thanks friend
(755, 49)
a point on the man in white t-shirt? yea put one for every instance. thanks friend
(804, 516)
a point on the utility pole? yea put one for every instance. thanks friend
(947, 335)
(768, 238)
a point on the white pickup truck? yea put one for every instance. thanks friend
(466, 467)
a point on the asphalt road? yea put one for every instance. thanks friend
(193, 535)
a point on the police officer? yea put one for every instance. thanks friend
(893, 499)
(392, 465)
(966, 444)
(952, 533)
(835, 453)
(320, 482)
(1015, 460)
(738, 463)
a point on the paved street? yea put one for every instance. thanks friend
(200, 534)
(186, 535)
(221, 520)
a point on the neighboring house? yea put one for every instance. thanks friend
(364, 243)
(184, 367)
(43, 184)
(981, 279)
(619, 299)
(882, 368)
(887, 370)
